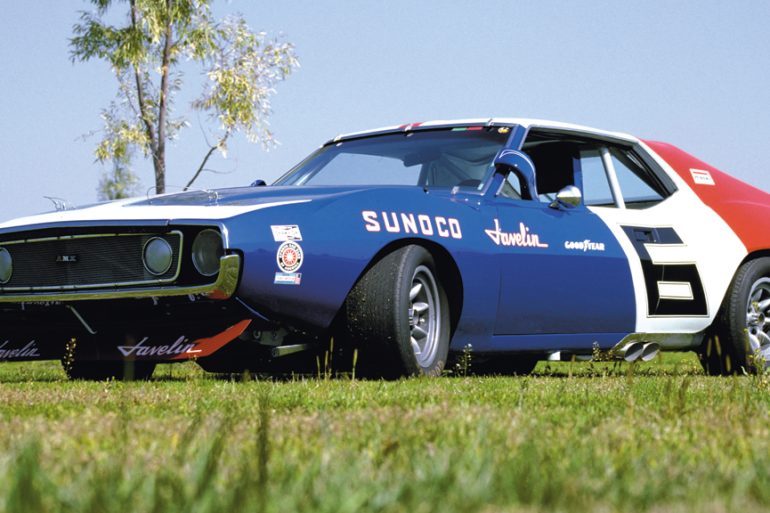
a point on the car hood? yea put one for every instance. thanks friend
(187, 206)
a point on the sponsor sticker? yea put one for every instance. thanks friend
(288, 278)
(28, 351)
(404, 222)
(584, 245)
(289, 257)
(286, 232)
(702, 177)
(180, 346)
(523, 238)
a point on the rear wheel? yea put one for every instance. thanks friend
(740, 337)
(397, 317)
(105, 370)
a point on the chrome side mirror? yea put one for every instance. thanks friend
(568, 197)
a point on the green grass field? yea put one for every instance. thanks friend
(574, 437)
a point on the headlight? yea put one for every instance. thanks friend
(207, 249)
(6, 266)
(157, 256)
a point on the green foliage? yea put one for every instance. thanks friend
(242, 69)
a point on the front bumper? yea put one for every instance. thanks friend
(223, 288)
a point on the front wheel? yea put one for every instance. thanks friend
(740, 338)
(397, 316)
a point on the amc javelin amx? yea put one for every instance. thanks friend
(523, 240)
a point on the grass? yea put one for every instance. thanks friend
(574, 437)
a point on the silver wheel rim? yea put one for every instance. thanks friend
(758, 321)
(424, 316)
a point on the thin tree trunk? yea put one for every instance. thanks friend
(146, 119)
(159, 157)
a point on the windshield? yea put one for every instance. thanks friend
(440, 158)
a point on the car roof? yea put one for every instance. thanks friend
(525, 122)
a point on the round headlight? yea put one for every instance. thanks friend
(158, 256)
(6, 266)
(207, 249)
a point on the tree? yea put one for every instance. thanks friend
(241, 67)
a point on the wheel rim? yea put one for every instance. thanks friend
(758, 320)
(425, 316)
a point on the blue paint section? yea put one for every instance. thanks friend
(561, 272)
(338, 247)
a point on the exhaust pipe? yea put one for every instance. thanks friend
(633, 351)
(650, 351)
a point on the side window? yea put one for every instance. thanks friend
(609, 174)
(637, 183)
(596, 187)
(555, 162)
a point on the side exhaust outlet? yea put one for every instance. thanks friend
(632, 351)
(650, 351)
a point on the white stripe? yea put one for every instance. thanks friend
(680, 290)
(124, 211)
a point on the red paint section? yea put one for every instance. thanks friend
(207, 346)
(411, 125)
(744, 208)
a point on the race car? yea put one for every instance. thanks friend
(391, 251)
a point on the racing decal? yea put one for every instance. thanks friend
(701, 177)
(523, 238)
(289, 257)
(422, 224)
(672, 288)
(288, 278)
(180, 346)
(28, 351)
(584, 245)
(286, 232)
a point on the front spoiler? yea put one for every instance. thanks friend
(162, 345)
(223, 288)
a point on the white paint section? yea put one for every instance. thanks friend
(525, 122)
(701, 177)
(708, 241)
(124, 211)
(677, 290)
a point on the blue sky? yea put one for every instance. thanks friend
(696, 74)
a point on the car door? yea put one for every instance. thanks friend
(562, 270)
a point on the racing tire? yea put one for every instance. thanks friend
(739, 340)
(505, 365)
(397, 317)
(91, 370)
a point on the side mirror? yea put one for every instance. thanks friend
(258, 183)
(522, 164)
(568, 197)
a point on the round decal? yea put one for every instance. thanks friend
(289, 257)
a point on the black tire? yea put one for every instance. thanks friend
(106, 370)
(504, 364)
(739, 339)
(381, 322)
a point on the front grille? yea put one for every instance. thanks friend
(86, 262)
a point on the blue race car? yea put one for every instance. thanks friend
(519, 240)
